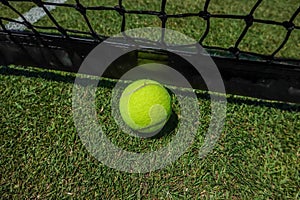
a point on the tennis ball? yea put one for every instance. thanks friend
(145, 106)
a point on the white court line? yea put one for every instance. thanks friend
(32, 16)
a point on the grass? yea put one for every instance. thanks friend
(20, 6)
(42, 156)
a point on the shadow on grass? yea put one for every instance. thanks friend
(169, 128)
(70, 78)
(30, 73)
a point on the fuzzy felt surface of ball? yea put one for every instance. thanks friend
(145, 106)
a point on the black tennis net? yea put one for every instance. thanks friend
(27, 43)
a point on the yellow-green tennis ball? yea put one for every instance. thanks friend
(145, 106)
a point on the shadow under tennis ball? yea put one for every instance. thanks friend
(169, 127)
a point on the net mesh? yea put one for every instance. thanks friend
(215, 25)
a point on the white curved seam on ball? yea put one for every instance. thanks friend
(140, 87)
